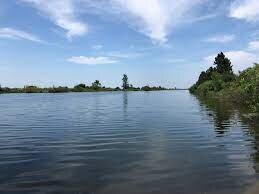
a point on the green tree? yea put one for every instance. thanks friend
(257, 95)
(81, 85)
(146, 88)
(205, 76)
(96, 85)
(223, 64)
(79, 88)
(125, 82)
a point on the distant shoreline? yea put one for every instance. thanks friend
(96, 86)
(70, 90)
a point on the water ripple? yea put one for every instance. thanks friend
(117, 142)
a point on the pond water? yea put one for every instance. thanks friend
(164, 142)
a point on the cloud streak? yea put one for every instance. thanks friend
(221, 38)
(11, 33)
(63, 14)
(155, 18)
(91, 60)
(97, 47)
(254, 45)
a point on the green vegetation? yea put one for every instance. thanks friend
(96, 86)
(59, 89)
(148, 88)
(220, 81)
(125, 82)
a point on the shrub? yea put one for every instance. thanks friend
(31, 89)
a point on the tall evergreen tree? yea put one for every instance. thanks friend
(223, 64)
(125, 82)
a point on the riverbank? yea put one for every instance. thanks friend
(241, 88)
(96, 86)
(78, 88)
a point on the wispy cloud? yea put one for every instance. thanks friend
(254, 45)
(202, 18)
(153, 18)
(92, 60)
(11, 33)
(97, 47)
(63, 14)
(221, 38)
(126, 55)
(245, 9)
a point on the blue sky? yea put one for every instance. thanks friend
(155, 42)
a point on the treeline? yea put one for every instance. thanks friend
(94, 87)
(220, 81)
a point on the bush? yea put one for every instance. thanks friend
(146, 88)
(59, 89)
(31, 89)
(79, 88)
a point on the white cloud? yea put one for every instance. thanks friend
(240, 59)
(63, 14)
(245, 9)
(221, 38)
(202, 18)
(91, 60)
(97, 47)
(254, 45)
(11, 33)
(155, 18)
(127, 55)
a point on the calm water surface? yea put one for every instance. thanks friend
(125, 143)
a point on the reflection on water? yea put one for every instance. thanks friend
(125, 102)
(227, 115)
(224, 114)
(125, 142)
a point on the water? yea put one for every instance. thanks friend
(166, 142)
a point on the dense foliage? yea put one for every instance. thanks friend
(148, 88)
(220, 81)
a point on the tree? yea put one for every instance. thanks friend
(125, 82)
(146, 88)
(81, 85)
(96, 85)
(202, 78)
(223, 64)
(206, 75)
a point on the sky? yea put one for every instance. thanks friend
(154, 42)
